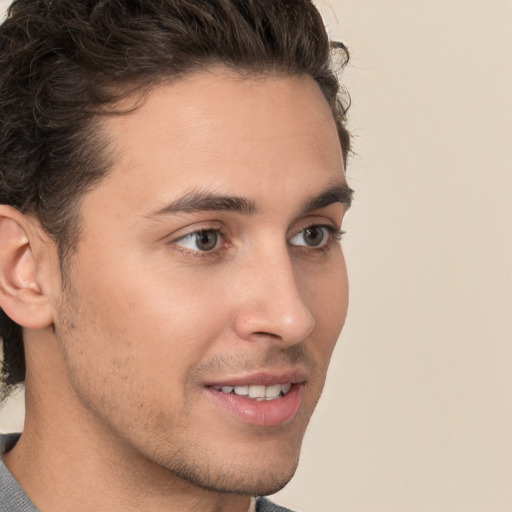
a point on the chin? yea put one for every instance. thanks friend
(241, 471)
(254, 481)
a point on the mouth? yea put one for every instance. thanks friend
(263, 400)
(258, 392)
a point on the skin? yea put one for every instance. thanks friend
(119, 359)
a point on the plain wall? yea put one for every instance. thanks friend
(417, 411)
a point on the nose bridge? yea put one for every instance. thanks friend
(273, 303)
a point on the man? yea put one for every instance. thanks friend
(171, 280)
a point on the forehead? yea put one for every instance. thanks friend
(217, 130)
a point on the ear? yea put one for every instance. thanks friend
(21, 295)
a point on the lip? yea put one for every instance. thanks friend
(271, 413)
(264, 378)
(280, 411)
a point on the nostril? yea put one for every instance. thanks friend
(266, 335)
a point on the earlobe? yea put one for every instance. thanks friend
(21, 295)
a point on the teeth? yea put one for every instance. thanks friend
(285, 388)
(272, 392)
(242, 390)
(257, 392)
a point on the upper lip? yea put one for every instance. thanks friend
(266, 378)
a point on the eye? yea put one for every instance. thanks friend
(312, 236)
(202, 241)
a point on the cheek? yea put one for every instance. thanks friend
(327, 298)
(129, 351)
(141, 318)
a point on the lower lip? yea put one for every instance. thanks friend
(264, 413)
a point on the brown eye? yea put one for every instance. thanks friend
(200, 241)
(314, 236)
(206, 240)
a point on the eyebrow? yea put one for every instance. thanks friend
(339, 193)
(203, 200)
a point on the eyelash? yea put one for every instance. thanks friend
(211, 254)
(335, 236)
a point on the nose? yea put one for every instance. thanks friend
(270, 305)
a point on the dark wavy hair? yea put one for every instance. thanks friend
(65, 63)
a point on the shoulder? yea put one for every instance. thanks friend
(7, 441)
(264, 505)
(12, 497)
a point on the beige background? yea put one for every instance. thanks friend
(417, 413)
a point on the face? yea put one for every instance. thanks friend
(208, 288)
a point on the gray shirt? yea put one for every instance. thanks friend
(14, 499)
